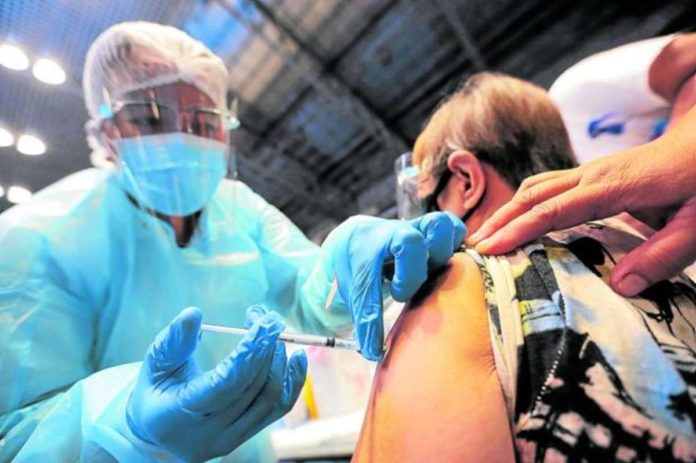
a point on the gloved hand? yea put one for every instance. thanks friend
(198, 415)
(362, 244)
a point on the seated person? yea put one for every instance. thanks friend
(528, 356)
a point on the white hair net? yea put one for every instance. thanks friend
(135, 55)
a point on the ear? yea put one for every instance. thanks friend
(468, 178)
(108, 134)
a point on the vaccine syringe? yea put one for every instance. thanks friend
(293, 338)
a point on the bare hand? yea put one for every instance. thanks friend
(659, 176)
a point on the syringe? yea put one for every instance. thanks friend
(294, 338)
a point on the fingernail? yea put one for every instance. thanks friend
(187, 321)
(256, 309)
(482, 246)
(631, 284)
(476, 237)
(273, 320)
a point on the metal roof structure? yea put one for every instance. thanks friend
(330, 91)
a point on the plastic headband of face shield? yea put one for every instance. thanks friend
(140, 117)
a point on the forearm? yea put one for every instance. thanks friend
(85, 423)
(320, 309)
(300, 273)
(677, 148)
(683, 102)
(675, 63)
(108, 428)
(17, 426)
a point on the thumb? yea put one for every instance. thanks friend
(174, 344)
(443, 233)
(666, 253)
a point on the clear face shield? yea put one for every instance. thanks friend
(171, 153)
(408, 203)
(172, 148)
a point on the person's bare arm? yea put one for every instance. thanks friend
(683, 102)
(436, 395)
(672, 75)
(673, 66)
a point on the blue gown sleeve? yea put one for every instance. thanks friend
(299, 272)
(46, 332)
(53, 406)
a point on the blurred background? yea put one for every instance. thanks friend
(330, 92)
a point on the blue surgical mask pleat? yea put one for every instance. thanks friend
(175, 174)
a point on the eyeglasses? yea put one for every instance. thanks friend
(135, 118)
(429, 202)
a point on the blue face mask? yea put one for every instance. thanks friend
(175, 173)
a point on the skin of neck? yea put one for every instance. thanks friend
(177, 224)
(494, 191)
(498, 192)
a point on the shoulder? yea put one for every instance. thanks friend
(234, 197)
(66, 224)
(52, 206)
(455, 299)
(437, 391)
(238, 188)
(458, 283)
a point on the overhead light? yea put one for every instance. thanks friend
(30, 145)
(6, 138)
(17, 194)
(48, 71)
(2, 191)
(13, 57)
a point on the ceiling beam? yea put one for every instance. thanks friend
(262, 174)
(327, 83)
(344, 203)
(329, 65)
(449, 13)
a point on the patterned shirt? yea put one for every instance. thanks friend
(589, 375)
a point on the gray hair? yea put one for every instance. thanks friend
(506, 122)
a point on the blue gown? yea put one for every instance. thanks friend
(87, 280)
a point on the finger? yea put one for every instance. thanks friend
(294, 381)
(254, 314)
(408, 248)
(174, 345)
(230, 380)
(438, 230)
(537, 179)
(292, 386)
(666, 253)
(366, 306)
(283, 387)
(278, 364)
(570, 208)
(524, 201)
(269, 391)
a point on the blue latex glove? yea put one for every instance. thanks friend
(198, 415)
(362, 244)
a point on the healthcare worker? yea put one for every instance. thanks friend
(96, 265)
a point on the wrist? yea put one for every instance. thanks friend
(111, 430)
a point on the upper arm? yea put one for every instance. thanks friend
(46, 328)
(437, 392)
